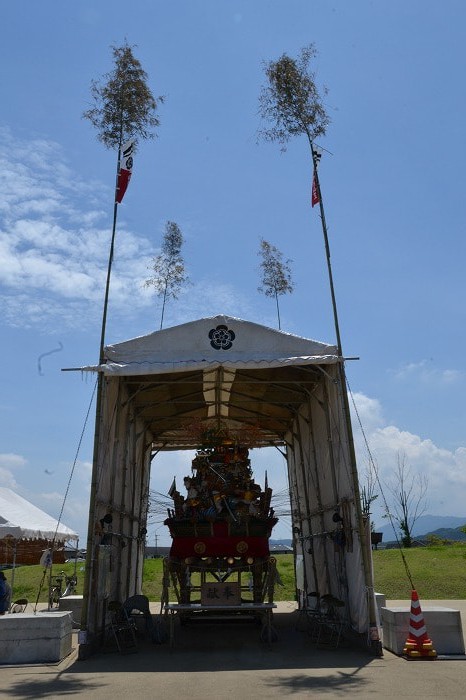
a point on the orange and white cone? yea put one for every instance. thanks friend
(418, 645)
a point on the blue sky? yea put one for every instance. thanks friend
(393, 190)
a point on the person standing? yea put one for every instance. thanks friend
(5, 594)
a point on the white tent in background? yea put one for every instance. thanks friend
(20, 520)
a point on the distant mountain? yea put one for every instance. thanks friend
(424, 525)
(444, 526)
(447, 533)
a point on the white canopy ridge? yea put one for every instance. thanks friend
(22, 520)
(212, 342)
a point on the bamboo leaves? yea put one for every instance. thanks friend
(124, 106)
(276, 273)
(290, 102)
(168, 268)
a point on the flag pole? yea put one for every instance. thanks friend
(110, 262)
(315, 161)
(90, 554)
(365, 552)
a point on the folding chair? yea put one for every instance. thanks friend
(19, 605)
(137, 606)
(122, 628)
(328, 622)
(309, 613)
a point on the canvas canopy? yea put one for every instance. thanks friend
(211, 343)
(220, 367)
(22, 520)
(289, 390)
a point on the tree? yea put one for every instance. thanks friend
(168, 267)
(124, 108)
(276, 273)
(291, 102)
(367, 492)
(409, 498)
(292, 105)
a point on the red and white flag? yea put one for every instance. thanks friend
(124, 174)
(315, 199)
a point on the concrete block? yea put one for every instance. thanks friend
(73, 603)
(381, 602)
(35, 638)
(443, 627)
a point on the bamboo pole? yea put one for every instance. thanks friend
(90, 553)
(317, 487)
(345, 405)
(295, 492)
(310, 533)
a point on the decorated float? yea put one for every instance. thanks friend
(220, 527)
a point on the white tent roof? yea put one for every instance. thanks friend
(22, 520)
(212, 342)
(222, 368)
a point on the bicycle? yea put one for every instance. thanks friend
(56, 591)
(71, 583)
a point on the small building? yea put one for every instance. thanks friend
(156, 552)
(280, 548)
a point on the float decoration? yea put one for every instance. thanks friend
(221, 525)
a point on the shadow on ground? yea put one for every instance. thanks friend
(291, 665)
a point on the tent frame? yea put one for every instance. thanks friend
(297, 402)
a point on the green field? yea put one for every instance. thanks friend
(28, 579)
(438, 572)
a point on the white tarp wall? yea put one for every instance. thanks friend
(118, 514)
(325, 519)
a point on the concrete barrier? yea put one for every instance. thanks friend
(74, 604)
(443, 627)
(35, 638)
(381, 602)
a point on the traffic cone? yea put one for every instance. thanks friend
(418, 645)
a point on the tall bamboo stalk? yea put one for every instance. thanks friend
(345, 404)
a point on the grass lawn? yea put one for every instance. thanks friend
(438, 572)
(30, 582)
(28, 579)
(152, 585)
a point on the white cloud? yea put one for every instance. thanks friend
(452, 376)
(444, 469)
(7, 479)
(10, 462)
(426, 372)
(54, 252)
(369, 411)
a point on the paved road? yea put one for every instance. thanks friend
(228, 661)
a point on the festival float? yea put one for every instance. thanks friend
(220, 528)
